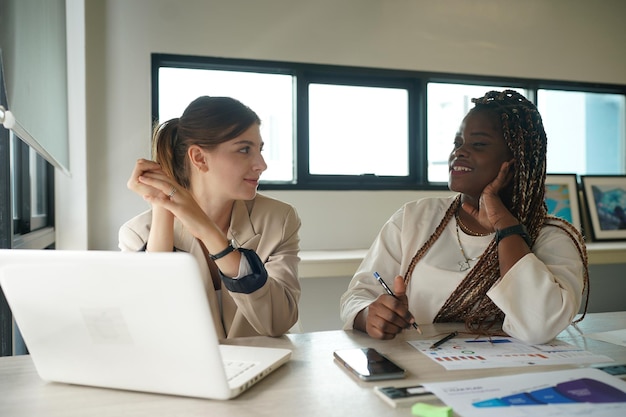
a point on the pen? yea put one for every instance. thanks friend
(444, 340)
(388, 290)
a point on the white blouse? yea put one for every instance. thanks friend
(539, 295)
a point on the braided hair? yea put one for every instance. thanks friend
(525, 136)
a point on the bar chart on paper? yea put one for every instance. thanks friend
(474, 353)
(575, 392)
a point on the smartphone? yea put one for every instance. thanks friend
(369, 364)
(400, 396)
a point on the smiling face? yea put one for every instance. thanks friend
(235, 166)
(479, 151)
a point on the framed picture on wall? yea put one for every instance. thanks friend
(605, 198)
(562, 197)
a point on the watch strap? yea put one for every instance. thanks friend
(518, 229)
(223, 253)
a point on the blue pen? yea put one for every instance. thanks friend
(388, 290)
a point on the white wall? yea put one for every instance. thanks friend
(551, 39)
(576, 40)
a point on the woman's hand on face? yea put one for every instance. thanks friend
(389, 315)
(491, 211)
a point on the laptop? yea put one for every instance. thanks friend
(131, 321)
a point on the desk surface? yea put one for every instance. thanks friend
(311, 384)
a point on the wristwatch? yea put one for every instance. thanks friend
(232, 245)
(518, 229)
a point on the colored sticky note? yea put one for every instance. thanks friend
(427, 410)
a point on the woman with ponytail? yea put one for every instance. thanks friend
(489, 256)
(202, 188)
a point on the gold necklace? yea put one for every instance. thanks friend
(467, 229)
(464, 265)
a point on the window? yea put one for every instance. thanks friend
(353, 123)
(330, 127)
(585, 131)
(31, 190)
(26, 212)
(269, 95)
(26, 216)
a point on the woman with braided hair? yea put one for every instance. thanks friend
(489, 256)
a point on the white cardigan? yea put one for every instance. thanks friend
(539, 295)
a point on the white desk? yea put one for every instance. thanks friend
(311, 384)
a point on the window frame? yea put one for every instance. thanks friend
(23, 232)
(306, 180)
(416, 83)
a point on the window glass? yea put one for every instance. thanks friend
(367, 128)
(356, 130)
(31, 190)
(16, 166)
(38, 191)
(269, 95)
(585, 131)
(446, 107)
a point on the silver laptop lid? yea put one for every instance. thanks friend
(137, 321)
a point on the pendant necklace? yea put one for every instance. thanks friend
(463, 265)
(467, 229)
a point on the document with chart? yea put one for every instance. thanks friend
(497, 352)
(574, 392)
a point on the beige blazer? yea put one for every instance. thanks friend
(270, 228)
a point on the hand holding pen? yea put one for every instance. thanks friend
(390, 292)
